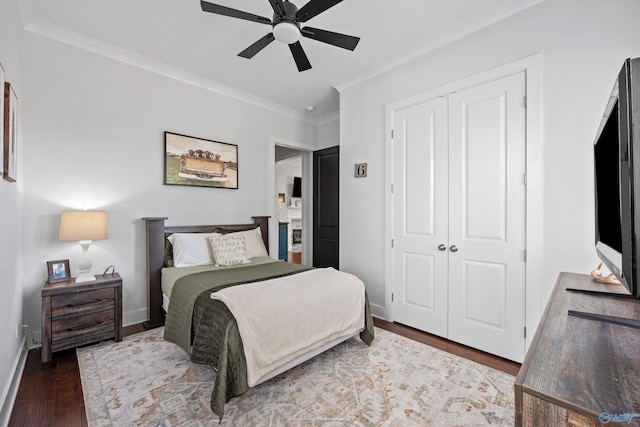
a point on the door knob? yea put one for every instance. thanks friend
(453, 248)
(442, 247)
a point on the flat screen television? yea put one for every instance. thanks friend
(617, 186)
(617, 179)
(297, 187)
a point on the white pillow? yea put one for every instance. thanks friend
(253, 242)
(229, 249)
(191, 249)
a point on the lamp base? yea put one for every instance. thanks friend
(84, 264)
(85, 277)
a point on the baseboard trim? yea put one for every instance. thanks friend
(133, 317)
(11, 388)
(377, 310)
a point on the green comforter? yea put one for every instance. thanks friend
(208, 332)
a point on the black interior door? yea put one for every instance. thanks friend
(326, 207)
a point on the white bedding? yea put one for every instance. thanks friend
(303, 325)
(171, 274)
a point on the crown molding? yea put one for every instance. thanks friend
(483, 19)
(328, 118)
(81, 41)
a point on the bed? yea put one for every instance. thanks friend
(224, 316)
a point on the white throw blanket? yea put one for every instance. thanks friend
(284, 318)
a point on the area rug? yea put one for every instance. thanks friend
(145, 381)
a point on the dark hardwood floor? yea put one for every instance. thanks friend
(50, 394)
(449, 346)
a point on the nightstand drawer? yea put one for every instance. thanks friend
(77, 330)
(81, 301)
(82, 323)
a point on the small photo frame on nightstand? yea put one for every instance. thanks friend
(58, 271)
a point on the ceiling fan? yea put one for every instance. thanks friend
(286, 27)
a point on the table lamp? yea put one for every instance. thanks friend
(84, 226)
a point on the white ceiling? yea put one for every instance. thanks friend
(179, 34)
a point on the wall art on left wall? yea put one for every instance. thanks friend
(2, 121)
(10, 133)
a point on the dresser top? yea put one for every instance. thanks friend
(588, 365)
(70, 286)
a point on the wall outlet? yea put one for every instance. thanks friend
(18, 329)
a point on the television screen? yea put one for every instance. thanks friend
(607, 175)
(297, 187)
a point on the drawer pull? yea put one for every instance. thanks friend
(83, 303)
(77, 328)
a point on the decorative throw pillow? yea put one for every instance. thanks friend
(191, 249)
(229, 249)
(253, 242)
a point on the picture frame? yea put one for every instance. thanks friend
(2, 121)
(10, 137)
(58, 271)
(199, 162)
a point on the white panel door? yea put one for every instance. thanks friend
(420, 216)
(487, 166)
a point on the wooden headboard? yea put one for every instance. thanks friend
(156, 231)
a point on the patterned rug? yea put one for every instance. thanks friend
(145, 381)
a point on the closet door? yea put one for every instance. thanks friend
(420, 216)
(487, 217)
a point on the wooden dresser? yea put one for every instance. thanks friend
(576, 369)
(74, 314)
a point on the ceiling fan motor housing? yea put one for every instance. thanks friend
(286, 28)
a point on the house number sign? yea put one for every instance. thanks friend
(360, 170)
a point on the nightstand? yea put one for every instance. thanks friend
(74, 314)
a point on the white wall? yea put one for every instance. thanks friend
(329, 134)
(583, 44)
(94, 138)
(12, 301)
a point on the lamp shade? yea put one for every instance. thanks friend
(83, 225)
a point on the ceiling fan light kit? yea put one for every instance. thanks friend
(286, 32)
(286, 27)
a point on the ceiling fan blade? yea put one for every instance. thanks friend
(299, 56)
(314, 8)
(227, 11)
(257, 46)
(341, 40)
(278, 7)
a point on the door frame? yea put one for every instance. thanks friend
(307, 194)
(532, 67)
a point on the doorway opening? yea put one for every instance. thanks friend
(289, 186)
